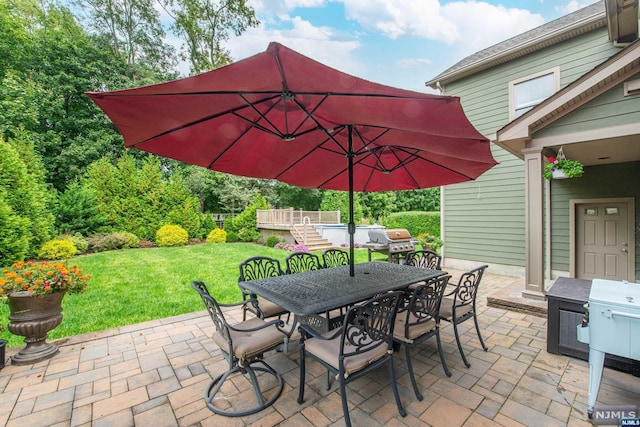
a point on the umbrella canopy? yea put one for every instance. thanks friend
(281, 115)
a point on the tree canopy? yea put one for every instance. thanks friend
(61, 155)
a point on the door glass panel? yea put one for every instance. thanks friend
(611, 211)
(591, 211)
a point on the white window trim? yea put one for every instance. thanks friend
(512, 84)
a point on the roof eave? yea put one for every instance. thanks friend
(583, 26)
(608, 74)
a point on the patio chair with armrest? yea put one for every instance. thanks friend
(459, 305)
(335, 258)
(260, 267)
(362, 344)
(418, 321)
(243, 345)
(299, 262)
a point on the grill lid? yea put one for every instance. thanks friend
(390, 235)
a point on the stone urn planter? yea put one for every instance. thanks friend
(33, 317)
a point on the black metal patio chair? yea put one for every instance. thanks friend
(243, 345)
(418, 320)
(423, 259)
(459, 305)
(362, 344)
(260, 267)
(335, 258)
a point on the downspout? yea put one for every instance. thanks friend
(547, 237)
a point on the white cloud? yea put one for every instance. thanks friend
(574, 5)
(451, 23)
(399, 18)
(497, 24)
(319, 43)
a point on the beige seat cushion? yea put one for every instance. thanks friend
(415, 285)
(249, 344)
(329, 352)
(270, 309)
(415, 331)
(446, 309)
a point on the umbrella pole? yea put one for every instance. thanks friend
(351, 225)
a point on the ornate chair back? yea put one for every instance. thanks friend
(424, 259)
(299, 262)
(335, 258)
(259, 267)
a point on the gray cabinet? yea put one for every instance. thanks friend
(565, 302)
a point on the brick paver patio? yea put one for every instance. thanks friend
(155, 374)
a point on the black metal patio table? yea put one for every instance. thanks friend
(319, 291)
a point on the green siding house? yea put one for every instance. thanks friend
(571, 85)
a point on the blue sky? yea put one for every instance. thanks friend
(400, 43)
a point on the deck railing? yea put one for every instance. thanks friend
(290, 217)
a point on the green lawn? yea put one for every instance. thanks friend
(135, 285)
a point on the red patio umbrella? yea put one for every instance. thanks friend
(281, 115)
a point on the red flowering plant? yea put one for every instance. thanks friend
(42, 278)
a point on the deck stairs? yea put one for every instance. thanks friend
(307, 235)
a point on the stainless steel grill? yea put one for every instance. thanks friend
(393, 242)
(612, 326)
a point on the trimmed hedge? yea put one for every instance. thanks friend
(416, 222)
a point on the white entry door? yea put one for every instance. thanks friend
(602, 241)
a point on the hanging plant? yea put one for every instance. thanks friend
(561, 167)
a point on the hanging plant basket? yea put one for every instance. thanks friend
(560, 167)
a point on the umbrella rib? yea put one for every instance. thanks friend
(316, 147)
(415, 156)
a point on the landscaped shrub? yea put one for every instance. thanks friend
(249, 235)
(245, 223)
(272, 241)
(57, 249)
(78, 241)
(232, 237)
(14, 234)
(129, 240)
(78, 212)
(207, 224)
(107, 242)
(172, 235)
(217, 236)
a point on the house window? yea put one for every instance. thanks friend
(526, 93)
